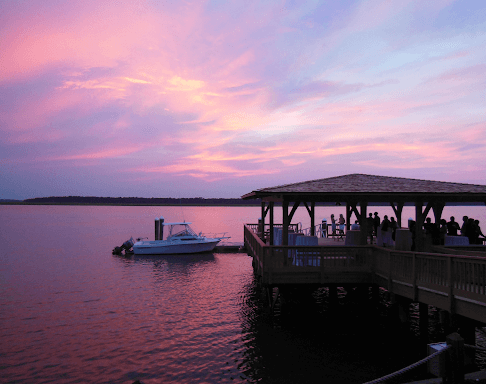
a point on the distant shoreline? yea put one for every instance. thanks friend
(176, 202)
(133, 205)
(133, 201)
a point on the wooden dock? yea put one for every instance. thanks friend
(451, 282)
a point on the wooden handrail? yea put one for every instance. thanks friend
(456, 282)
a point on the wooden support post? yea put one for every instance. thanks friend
(419, 222)
(157, 230)
(262, 215)
(424, 321)
(454, 367)
(285, 223)
(363, 223)
(310, 211)
(467, 330)
(261, 222)
(375, 294)
(445, 320)
(333, 295)
(271, 223)
(403, 313)
(275, 298)
(313, 218)
(269, 292)
(161, 228)
(348, 216)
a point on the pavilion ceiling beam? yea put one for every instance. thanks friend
(352, 207)
(307, 207)
(294, 208)
(398, 211)
(438, 208)
(311, 212)
(266, 210)
(363, 223)
(426, 210)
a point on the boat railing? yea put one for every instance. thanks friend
(216, 235)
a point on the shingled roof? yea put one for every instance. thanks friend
(374, 188)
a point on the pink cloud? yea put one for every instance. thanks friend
(75, 34)
(238, 90)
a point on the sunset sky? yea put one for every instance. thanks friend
(218, 98)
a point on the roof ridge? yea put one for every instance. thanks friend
(368, 175)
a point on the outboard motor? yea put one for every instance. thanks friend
(126, 246)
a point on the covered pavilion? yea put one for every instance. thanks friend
(358, 191)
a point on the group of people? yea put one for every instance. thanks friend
(341, 221)
(469, 228)
(375, 222)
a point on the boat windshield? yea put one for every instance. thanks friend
(181, 230)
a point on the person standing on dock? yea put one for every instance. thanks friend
(452, 227)
(341, 225)
(442, 231)
(478, 233)
(376, 223)
(369, 223)
(393, 226)
(341, 219)
(464, 225)
(333, 225)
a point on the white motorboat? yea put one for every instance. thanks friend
(181, 239)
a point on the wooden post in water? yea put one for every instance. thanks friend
(467, 330)
(157, 228)
(424, 321)
(161, 228)
(375, 294)
(454, 367)
(333, 297)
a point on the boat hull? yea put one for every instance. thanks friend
(162, 247)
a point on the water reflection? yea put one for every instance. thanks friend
(72, 312)
(349, 341)
(176, 263)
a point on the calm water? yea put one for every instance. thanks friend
(70, 312)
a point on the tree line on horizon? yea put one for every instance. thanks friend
(140, 200)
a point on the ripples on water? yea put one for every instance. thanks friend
(70, 312)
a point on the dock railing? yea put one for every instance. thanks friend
(455, 283)
(451, 275)
(298, 264)
(320, 231)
